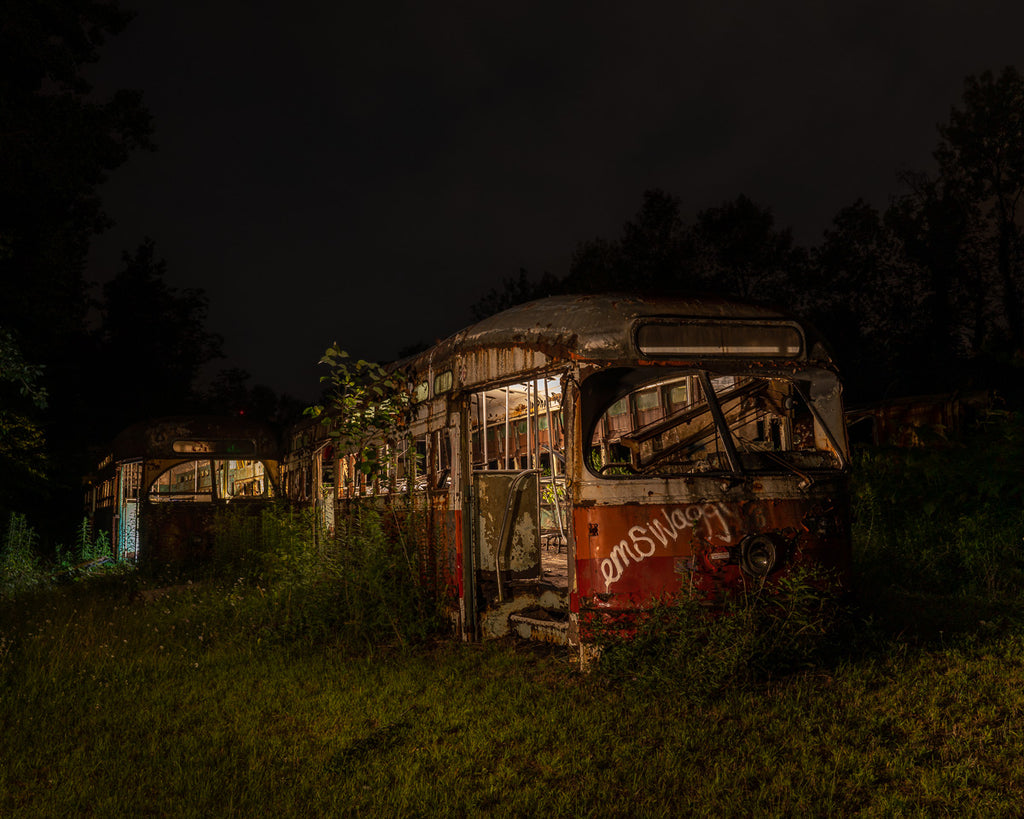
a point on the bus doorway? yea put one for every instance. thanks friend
(520, 541)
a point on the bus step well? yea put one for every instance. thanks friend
(542, 625)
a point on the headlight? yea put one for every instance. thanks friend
(759, 556)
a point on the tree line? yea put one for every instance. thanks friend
(924, 295)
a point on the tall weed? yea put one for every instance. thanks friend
(19, 566)
(383, 595)
(772, 631)
(358, 585)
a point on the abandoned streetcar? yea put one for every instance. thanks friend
(164, 483)
(579, 457)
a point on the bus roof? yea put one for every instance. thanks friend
(195, 435)
(599, 328)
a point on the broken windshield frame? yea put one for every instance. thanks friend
(206, 480)
(693, 422)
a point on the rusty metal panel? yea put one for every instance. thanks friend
(527, 338)
(520, 551)
(628, 554)
(188, 532)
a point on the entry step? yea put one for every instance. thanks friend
(541, 625)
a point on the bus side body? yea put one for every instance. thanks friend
(582, 458)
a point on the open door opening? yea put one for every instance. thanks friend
(521, 536)
(129, 480)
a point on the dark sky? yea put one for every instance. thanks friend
(365, 172)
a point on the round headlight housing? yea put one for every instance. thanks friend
(759, 556)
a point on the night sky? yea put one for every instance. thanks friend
(365, 172)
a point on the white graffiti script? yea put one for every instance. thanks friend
(643, 541)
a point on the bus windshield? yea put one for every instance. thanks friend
(702, 422)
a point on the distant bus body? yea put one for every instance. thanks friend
(582, 457)
(162, 486)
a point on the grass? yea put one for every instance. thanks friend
(117, 701)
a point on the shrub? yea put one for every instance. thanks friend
(359, 585)
(695, 651)
(382, 590)
(944, 520)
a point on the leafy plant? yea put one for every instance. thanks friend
(91, 547)
(383, 596)
(359, 587)
(366, 404)
(22, 440)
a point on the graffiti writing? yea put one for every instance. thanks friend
(665, 527)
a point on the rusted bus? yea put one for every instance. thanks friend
(166, 481)
(585, 456)
(917, 420)
(309, 470)
(600, 452)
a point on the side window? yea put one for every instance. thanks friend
(188, 481)
(518, 426)
(241, 479)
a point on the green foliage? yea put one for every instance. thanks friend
(366, 405)
(90, 547)
(22, 396)
(14, 368)
(273, 545)
(946, 520)
(769, 632)
(358, 587)
(380, 580)
(178, 684)
(22, 570)
(19, 566)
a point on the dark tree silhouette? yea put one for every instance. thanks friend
(982, 149)
(513, 291)
(153, 342)
(869, 295)
(22, 441)
(937, 223)
(738, 252)
(230, 393)
(58, 144)
(649, 257)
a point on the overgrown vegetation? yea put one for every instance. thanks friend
(21, 568)
(945, 519)
(358, 586)
(366, 404)
(259, 686)
(181, 686)
(767, 633)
